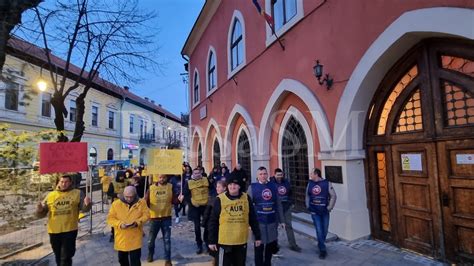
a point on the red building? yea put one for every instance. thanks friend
(393, 127)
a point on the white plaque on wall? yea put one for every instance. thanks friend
(203, 112)
(465, 158)
(411, 162)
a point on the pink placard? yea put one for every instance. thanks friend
(60, 157)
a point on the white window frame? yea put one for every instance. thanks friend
(270, 38)
(231, 72)
(210, 90)
(18, 78)
(196, 103)
(92, 116)
(108, 119)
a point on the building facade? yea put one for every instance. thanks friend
(379, 96)
(110, 132)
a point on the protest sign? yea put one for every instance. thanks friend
(60, 157)
(165, 161)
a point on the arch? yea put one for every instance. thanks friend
(92, 156)
(110, 154)
(216, 156)
(212, 123)
(236, 16)
(212, 51)
(309, 99)
(143, 159)
(243, 129)
(195, 101)
(197, 134)
(234, 114)
(296, 114)
(397, 39)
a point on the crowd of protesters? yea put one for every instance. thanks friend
(224, 203)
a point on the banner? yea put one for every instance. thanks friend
(60, 157)
(165, 162)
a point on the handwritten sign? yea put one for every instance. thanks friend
(60, 157)
(411, 162)
(165, 161)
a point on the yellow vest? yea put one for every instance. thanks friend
(199, 191)
(119, 187)
(63, 210)
(105, 180)
(234, 220)
(160, 200)
(128, 239)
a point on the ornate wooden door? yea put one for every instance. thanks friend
(420, 143)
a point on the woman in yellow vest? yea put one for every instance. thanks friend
(230, 219)
(196, 193)
(115, 192)
(160, 201)
(62, 207)
(127, 216)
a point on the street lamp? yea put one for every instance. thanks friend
(41, 83)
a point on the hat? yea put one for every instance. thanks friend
(233, 179)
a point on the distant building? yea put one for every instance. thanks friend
(119, 124)
(378, 94)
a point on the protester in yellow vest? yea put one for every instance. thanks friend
(195, 192)
(62, 207)
(127, 216)
(105, 180)
(160, 201)
(115, 191)
(230, 219)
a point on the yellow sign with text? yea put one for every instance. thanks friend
(165, 161)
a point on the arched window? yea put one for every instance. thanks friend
(217, 154)
(243, 153)
(283, 11)
(196, 87)
(92, 156)
(211, 74)
(110, 154)
(236, 45)
(295, 160)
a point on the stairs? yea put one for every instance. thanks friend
(303, 224)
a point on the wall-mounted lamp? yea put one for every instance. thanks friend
(41, 83)
(318, 73)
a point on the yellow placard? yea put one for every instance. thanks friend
(134, 161)
(165, 161)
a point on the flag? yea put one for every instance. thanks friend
(262, 12)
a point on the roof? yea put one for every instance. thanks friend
(200, 25)
(37, 55)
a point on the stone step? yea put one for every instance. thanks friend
(303, 224)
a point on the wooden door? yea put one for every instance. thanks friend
(416, 190)
(456, 173)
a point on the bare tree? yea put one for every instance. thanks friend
(10, 16)
(111, 37)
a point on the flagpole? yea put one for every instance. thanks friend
(278, 38)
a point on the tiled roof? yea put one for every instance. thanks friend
(38, 53)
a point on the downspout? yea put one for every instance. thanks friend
(188, 102)
(121, 125)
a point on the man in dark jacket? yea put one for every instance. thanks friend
(231, 216)
(242, 177)
(284, 193)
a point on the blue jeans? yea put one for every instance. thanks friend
(321, 223)
(165, 227)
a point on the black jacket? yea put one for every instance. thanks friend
(213, 224)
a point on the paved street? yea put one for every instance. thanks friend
(95, 249)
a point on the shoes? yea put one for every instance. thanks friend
(199, 250)
(168, 263)
(150, 258)
(295, 248)
(322, 255)
(176, 220)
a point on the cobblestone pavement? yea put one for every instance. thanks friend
(95, 249)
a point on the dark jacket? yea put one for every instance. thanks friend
(241, 175)
(213, 224)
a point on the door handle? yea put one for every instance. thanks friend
(445, 200)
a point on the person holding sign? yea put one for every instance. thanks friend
(196, 192)
(320, 200)
(127, 216)
(160, 201)
(62, 207)
(231, 216)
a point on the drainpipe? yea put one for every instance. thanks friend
(121, 125)
(188, 101)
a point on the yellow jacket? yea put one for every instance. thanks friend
(128, 239)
